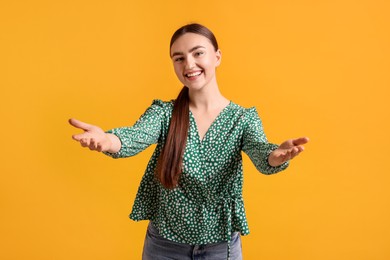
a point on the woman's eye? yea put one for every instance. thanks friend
(199, 53)
(179, 59)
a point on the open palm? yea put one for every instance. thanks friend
(93, 137)
(287, 151)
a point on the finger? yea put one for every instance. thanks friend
(299, 149)
(79, 124)
(84, 142)
(99, 148)
(285, 156)
(92, 144)
(78, 137)
(300, 141)
(294, 152)
(289, 155)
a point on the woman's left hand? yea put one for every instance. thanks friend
(286, 151)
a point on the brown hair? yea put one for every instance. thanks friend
(169, 166)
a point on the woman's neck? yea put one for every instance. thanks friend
(207, 99)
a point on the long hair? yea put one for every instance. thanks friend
(169, 165)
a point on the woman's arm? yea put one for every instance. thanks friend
(267, 157)
(128, 141)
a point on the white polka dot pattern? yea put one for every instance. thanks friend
(207, 205)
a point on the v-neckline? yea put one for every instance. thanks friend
(211, 125)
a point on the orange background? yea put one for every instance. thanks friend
(314, 68)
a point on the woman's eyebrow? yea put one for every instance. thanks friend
(190, 50)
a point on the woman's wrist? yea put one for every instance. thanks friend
(113, 143)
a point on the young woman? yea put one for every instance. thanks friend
(192, 187)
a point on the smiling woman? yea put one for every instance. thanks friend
(192, 187)
(195, 56)
(195, 65)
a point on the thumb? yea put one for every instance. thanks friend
(79, 124)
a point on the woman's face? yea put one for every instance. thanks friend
(194, 60)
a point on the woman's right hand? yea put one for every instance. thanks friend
(93, 137)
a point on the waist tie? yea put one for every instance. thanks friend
(227, 205)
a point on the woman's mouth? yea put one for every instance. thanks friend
(193, 75)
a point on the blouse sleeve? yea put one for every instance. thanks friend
(256, 146)
(145, 132)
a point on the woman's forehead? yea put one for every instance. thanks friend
(189, 40)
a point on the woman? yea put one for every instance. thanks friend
(192, 188)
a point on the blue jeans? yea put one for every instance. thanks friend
(158, 248)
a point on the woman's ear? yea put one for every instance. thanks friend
(218, 55)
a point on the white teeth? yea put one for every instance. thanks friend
(194, 74)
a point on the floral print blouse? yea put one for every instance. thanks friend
(207, 205)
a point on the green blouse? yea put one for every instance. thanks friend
(207, 205)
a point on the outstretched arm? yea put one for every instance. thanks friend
(95, 138)
(287, 151)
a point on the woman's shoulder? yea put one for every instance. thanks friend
(162, 103)
(243, 110)
(245, 115)
(159, 108)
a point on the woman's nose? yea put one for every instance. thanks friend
(190, 63)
